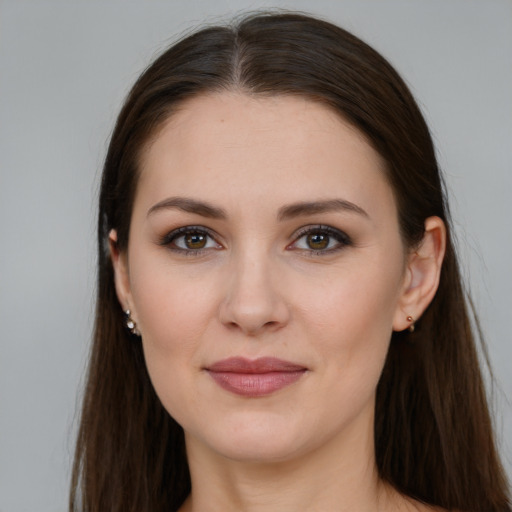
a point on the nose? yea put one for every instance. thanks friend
(253, 301)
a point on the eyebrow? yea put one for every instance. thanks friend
(189, 205)
(309, 208)
(285, 213)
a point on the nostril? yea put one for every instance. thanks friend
(252, 304)
(257, 328)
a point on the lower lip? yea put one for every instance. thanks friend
(255, 384)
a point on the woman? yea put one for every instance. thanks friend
(281, 323)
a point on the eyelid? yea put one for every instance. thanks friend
(340, 236)
(342, 239)
(167, 239)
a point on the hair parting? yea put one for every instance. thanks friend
(433, 432)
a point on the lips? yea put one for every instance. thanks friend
(254, 378)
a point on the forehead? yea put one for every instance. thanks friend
(232, 145)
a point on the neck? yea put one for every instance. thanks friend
(340, 475)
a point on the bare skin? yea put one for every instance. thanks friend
(327, 483)
(265, 228)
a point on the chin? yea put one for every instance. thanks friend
(257, 438)
(259, 450)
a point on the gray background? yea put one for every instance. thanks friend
(64, 69)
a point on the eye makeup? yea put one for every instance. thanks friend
(317, 240)
(320, 240)
(190, 240)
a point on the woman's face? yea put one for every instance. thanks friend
(265, 271)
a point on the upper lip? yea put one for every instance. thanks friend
(260, 365)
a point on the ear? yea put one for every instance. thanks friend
(121, 275)
(421, 275)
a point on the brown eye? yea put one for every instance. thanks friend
(195, 240)
(318, 241)
(190, 240)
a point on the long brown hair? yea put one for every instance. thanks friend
(433, 432)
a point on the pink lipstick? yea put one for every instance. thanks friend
(253, 378)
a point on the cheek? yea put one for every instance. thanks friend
(351, 319)
(173, 307)
(174, 311)
(360, 298)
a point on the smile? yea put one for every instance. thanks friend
(254, 378)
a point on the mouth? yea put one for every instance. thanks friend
(255, 378)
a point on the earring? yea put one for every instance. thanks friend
(411, 326)
(130, 323)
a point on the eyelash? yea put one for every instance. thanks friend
(342, 239)
(169, 240)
